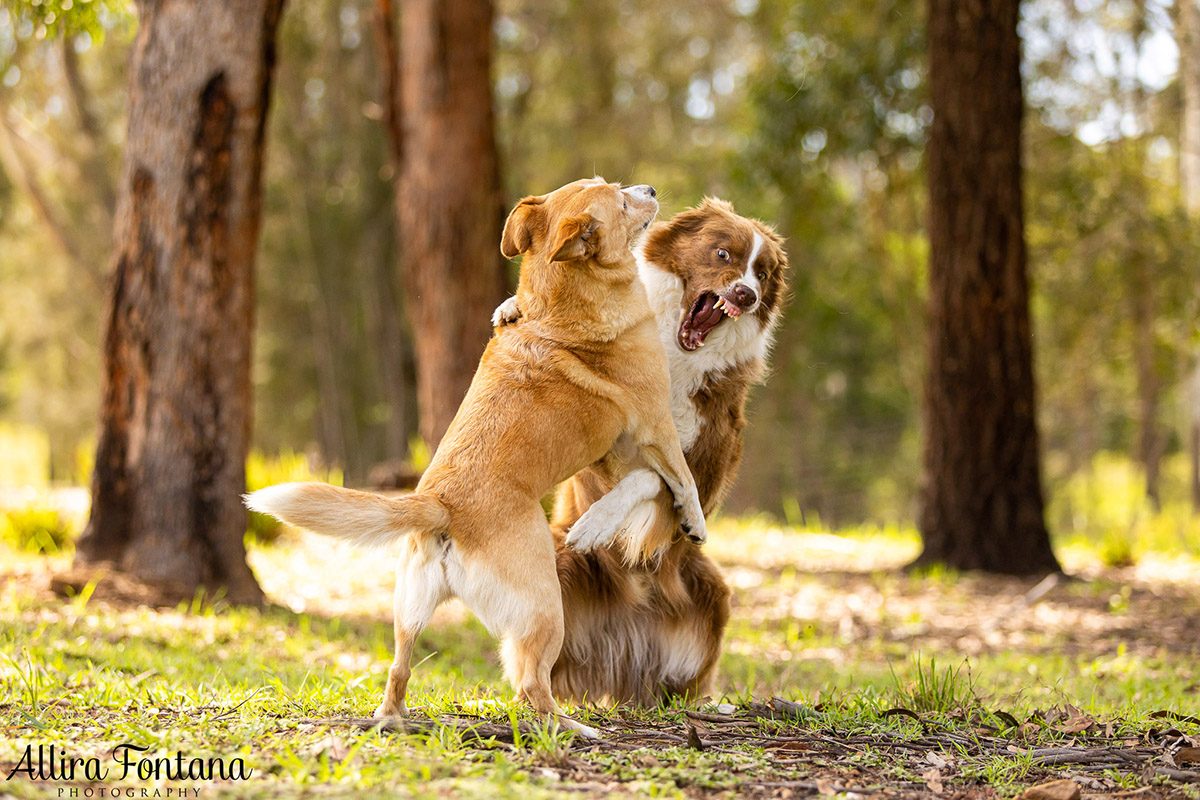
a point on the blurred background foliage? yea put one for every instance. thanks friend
(809, 115)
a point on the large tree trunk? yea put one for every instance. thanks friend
(448, 201)
(175, 424)
(981, 504)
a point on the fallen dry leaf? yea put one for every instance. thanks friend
(794, 747)
(1187, 755)
(1053, 790)
(333, 747)
(933, 780)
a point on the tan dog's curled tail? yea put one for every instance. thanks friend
(362, 518)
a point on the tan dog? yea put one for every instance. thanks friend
(584, 375)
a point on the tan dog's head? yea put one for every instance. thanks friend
(730, 267)
(590, 219)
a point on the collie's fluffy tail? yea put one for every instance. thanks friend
(360, 517)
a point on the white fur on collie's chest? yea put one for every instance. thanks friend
(731, 342)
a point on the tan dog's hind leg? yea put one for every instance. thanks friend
(534, 657)
(514, 590)
(420, 589)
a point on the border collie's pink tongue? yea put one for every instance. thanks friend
(699, 322)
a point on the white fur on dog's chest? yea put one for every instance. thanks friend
(732, 342)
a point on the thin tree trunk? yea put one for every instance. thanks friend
(1149, 451)
(981, 504)
(175, 422)
(448, 198)
(94, 163)
(391, 344)
(1188, 37)
(22, 174)
(1195, 465)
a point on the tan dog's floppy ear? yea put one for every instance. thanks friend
(524, 221)
(575, 238)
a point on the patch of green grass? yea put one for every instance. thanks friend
(933, 690)
(818, 619)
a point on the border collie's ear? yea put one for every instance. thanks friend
(524, 221)
(575, 238)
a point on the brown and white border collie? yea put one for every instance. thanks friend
(645, 611)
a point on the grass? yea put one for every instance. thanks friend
(872, 656)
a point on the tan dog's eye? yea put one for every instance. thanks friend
(624, 205)
(723, 254)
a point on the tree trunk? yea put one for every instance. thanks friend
(448, 201)
(981, 504)
(1195, 464)
(1192, 394)
(175, 423)
(1148, 450)
(1188, 36)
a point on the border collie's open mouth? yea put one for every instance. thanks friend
(703, 317)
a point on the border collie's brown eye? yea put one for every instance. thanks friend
(762, 276)
(722, 254)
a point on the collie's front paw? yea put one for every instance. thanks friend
(506, 312)
(596, 528)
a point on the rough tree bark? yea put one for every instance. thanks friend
(981, 504)
(175, 422)
(437, 89)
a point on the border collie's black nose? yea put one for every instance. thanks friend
(744, 295)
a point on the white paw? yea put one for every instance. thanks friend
(383, 712)
(506, 312)
(586, 731)
(596, 528)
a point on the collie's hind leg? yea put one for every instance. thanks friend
(420, 588)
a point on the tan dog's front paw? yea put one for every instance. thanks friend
(385, 712)
(506, 312)
(691, 521)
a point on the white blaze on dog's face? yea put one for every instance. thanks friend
(588, 219)
(729, 267)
